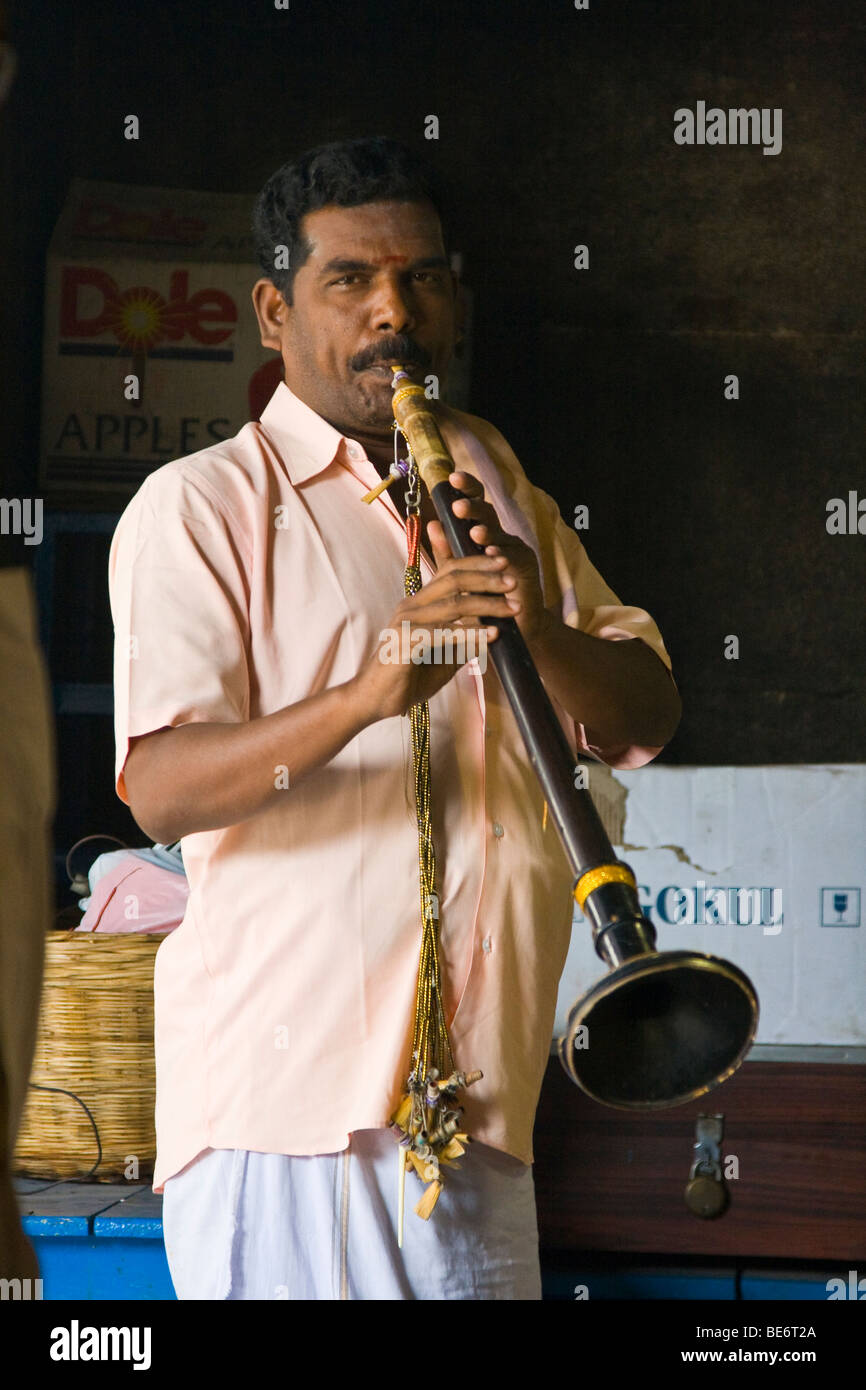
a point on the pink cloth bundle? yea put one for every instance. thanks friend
(135, 896)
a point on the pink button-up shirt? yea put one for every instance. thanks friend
(244, 578)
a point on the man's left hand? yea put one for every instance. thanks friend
(526, 597)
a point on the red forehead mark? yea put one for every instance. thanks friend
(397, 260)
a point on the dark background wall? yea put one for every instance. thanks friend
(556, 127)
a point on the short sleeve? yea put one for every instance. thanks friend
(586, 603)
(178, 578)
(573, 588)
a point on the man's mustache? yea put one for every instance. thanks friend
(400, 348)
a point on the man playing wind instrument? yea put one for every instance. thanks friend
(258, 723)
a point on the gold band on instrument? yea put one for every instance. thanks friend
(596, 878)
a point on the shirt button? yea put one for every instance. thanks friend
(486, 945)
(497, 829)
(354, 451)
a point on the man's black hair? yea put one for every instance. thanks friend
(344, 174)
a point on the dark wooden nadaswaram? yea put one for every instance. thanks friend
(662, 1027)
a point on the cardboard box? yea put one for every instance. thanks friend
(762, 866)
(153, 283)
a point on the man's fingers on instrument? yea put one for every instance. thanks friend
(479, 512)
(465, 482)
(474, 607)
(473, 506)
(475, 593)
(438, 541)
(486, 570)
(479, 584)
(490, 630)
(489, 564)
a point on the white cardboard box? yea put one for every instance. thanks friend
(695, 836)
(156, 283)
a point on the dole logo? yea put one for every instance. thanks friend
(92, 304)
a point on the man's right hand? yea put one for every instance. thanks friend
(464, 590)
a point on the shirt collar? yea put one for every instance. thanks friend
(305, 442)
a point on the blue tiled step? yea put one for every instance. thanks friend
(96, 1240)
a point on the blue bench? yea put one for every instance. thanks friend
(96, 1240)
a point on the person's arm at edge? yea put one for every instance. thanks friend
(618, 689)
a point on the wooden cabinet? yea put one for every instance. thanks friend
(613, 1180)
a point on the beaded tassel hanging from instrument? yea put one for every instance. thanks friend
(427, 1121)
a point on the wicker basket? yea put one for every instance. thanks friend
(95, 1041)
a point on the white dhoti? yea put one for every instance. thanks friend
(241, 1225)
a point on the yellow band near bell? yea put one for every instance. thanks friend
(595, 878)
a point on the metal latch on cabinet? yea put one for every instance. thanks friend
(706, 1194)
